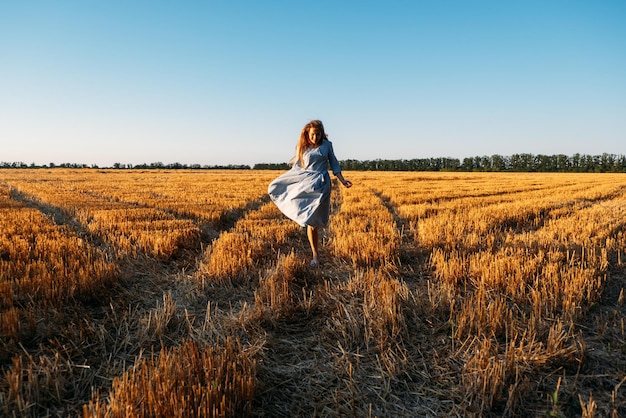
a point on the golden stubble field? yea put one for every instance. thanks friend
(127, 293)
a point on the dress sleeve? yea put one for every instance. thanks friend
(332, 160)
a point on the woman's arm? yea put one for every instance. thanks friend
(334, 165)
(343, 181)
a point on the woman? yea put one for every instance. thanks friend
(303, 193)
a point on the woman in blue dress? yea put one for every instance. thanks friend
(303, 193)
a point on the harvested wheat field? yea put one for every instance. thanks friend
(127, 293)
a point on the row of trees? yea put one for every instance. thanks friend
(179, 166)
(577, 163)
(20, 164)
(120, 166)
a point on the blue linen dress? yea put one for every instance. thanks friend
(303, 193)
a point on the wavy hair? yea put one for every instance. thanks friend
(304, 144)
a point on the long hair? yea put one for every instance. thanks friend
(304, 144)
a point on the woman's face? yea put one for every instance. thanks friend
(315, 136)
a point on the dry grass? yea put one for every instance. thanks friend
(186, 381)
(365, 230)
(251, 241)
(439, 295)
(43, 267)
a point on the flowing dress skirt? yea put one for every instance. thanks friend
(303, 196)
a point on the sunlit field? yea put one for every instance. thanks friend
(127, 293)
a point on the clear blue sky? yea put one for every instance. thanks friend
(233, 82)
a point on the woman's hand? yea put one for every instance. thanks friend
(343, 181)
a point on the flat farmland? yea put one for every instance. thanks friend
(129, 293)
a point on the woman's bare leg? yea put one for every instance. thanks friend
(313, 235)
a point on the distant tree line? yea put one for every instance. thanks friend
(21, 164)
(577, 163)
(179, 166)
(119, 166)
(272, 166)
